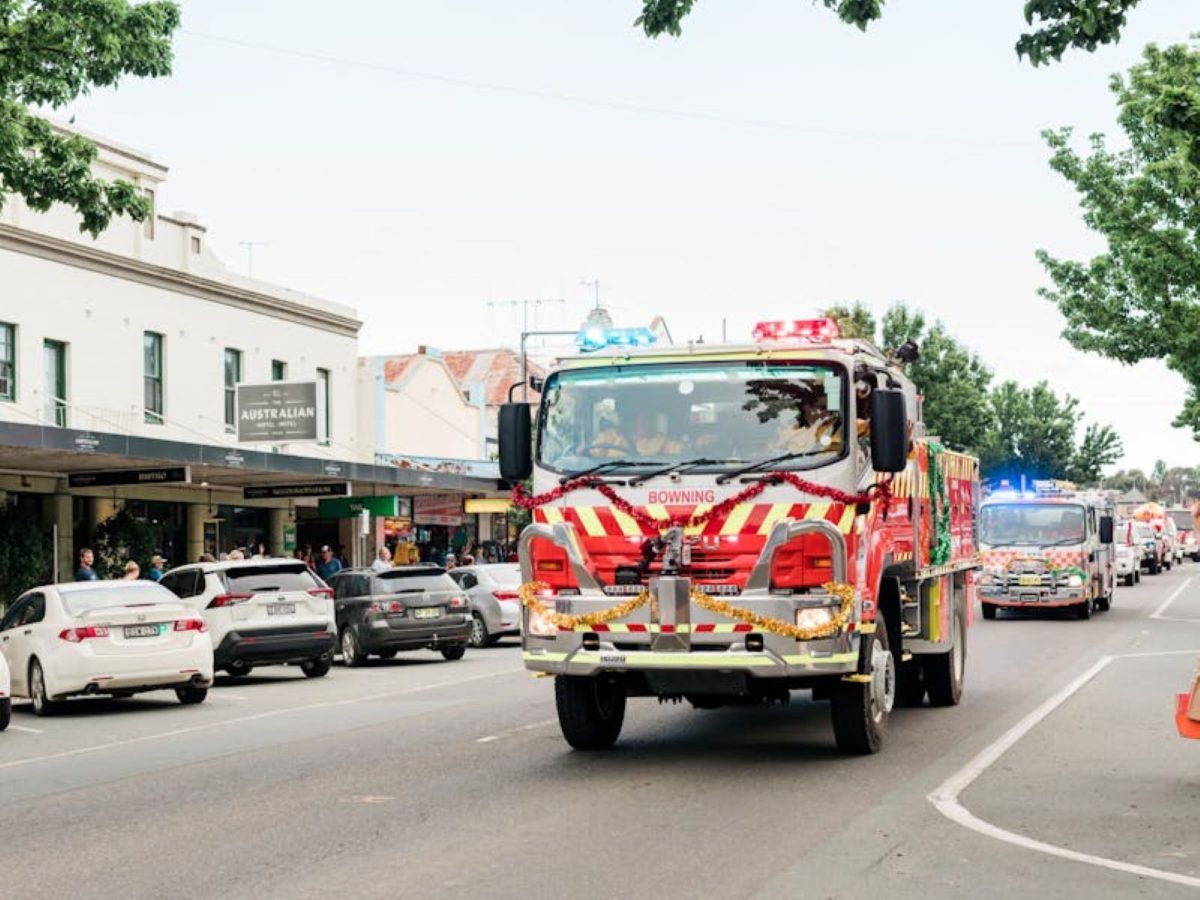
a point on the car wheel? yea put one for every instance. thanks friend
(1084, 610)
(5, 712)
(1137, 576)
(191, 693)
(239, 670)
(42, 704)
(479, 632)
(352, 655)
(458, 651)
(316, 668)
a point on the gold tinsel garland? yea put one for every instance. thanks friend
(844, 592)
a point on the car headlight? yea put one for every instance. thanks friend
(814, 616)
(540, 626)
(1074, 581)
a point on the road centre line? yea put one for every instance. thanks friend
(1158, 613)
(511, 731)
(945, 797)
(207, 726)
(26, 729)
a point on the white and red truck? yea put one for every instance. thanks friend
(728, 524)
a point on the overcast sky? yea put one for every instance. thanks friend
(420, 161)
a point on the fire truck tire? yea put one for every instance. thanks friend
(860, 710)
(1155, 565)
(910, 685)
(590, 711)
(1104, 604)
(989, 610)
(1084, 610)
(944, 672)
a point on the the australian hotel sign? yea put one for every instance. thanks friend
(279, 412)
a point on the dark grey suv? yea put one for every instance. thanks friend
(403, 608)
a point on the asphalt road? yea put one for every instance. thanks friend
(419, 777)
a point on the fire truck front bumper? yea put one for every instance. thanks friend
(803, 663)
(1043, 597)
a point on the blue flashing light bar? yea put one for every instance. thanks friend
(597, 338)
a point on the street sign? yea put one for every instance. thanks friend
(321, 489)
(352, 507)
(111, 477)
(280, 411)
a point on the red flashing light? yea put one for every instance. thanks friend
(803, 329)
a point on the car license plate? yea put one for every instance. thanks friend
(1031, 580)
(280, 609)
(428, 612)
(132, 631)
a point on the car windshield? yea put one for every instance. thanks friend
(1142, 531)
(734, 413)
(262, 579)
(1031, 523)
(77, 601)
(406, 581)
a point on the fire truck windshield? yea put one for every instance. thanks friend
(1037, 524)
(729, 413)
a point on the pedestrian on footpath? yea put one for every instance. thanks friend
(158, 568)
(85, 572)
(329, 565)
(132, 571)
(383, 560)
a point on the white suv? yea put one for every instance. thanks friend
(261, 611)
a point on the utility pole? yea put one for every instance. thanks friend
(250, 245)
(595, 286)
(536, 303)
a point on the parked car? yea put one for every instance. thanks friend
(5, 694)
(260, 612)
(104, 637)
(1185, 526)
(1170, 535)
(402, 608)
(1153, 546)
(495, 603)
(1129, 554)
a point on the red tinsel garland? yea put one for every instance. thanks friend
(881, 491)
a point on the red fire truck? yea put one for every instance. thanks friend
(727, 524)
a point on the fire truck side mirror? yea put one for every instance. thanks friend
(889, 431)
(1106, 529)
(516, 445)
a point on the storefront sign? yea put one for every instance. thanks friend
(485, 505)
(352, 507)
(438, 509)
(280, 411)
(289, 538)
(273, 491)
(110, 477)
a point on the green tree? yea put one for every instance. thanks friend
(952, 379)
(1056, 25)
(26, 553)
(52, 51)
(120, 538)
(1140, 299)
(855, 321)
(1100, 447)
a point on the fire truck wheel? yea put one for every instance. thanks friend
(1084, 610)
(989, 610)
(910, 686)
(590, 711)
(860, 709)
(944, 671)
(1104, 604)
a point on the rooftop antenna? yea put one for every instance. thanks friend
(250, 245)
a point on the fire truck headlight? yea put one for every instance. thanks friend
(1074, 581)
(541, 627)
(814, 616)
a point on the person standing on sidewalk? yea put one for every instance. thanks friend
(85, 572)
(158, 567)
(329, 565)
(383, 560)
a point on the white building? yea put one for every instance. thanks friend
(125, 351)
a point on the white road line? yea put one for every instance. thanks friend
(1158, 613)
(207, 726)
(488, 739)
(26, 729)
(511, 731)
(945, 797)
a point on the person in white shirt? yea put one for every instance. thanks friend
(383, 561)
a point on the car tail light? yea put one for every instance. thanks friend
(506, 595)
(374, 608)
(228, 600)
(76, 635)
(457, 602)
(321, 592)
(190, 625)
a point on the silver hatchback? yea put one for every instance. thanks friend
(495, 604)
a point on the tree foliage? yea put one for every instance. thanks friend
(26, 552)
(51, 52)
(1140, 299)
(1055, 25)
(854, 321)
(119, 539)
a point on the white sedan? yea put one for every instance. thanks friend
(104, 637)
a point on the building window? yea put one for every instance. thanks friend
(233, 374)
(54, 355)
(8, 361)
(278, 370)
(152, 376)
(195, 244)
(148, 222)
(324, 413)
